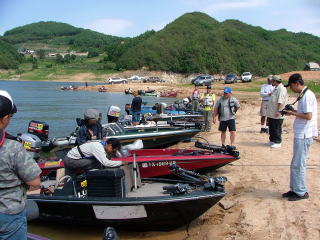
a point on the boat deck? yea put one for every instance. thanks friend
(148, 189)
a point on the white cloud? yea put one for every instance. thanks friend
(227, 5)
(112, 26)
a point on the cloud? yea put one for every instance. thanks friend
(227, 5)
(112, 26)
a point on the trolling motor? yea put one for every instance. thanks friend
(209, 184)
(232, 150)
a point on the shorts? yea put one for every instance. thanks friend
(263, 108)
(136, 116)
(230, 124)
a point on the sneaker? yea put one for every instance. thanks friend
(297, 197)
(276, 145)
(288, 194)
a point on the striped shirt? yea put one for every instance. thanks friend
(304, 128)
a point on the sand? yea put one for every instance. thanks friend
(255, 184)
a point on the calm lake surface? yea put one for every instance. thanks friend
(45, 101)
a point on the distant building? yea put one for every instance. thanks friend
(312, 66)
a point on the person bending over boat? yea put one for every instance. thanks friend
(92, 155)
(91, 128)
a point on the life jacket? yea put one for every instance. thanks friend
(232, 106)
(4, 135)
(207, 101)
(91, 135)
(195, 94)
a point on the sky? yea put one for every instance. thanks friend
(129, 18)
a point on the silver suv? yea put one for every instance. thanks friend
(203, 80)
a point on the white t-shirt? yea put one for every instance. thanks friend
(304, 128)
(93, 149)
(265, 90)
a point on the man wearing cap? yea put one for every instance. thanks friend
(226, 108)
(265, 93)
(136, 108)
(208, 100)
(276, 103)
(91, 129)
(92, 155)
(305, 128)
(18, 173)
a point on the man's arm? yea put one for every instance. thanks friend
(215, 113)
(34, 184)
(307, 116)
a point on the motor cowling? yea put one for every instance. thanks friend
(39, 129)
(31, 143)
(113, 114)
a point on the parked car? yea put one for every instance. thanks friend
(246, 77)
(202, 80)
(153, 80)
(117, 80)
(231, 78)
(135, 77)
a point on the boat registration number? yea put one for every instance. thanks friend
(157, 164)
(119, 212)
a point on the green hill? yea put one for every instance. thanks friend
(58, 34)
(195, 42)
(9, 58)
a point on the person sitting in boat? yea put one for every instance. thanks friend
(91, 128)
(92, 155)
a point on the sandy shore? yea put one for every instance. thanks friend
(255, 184)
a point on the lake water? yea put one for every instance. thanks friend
(45, 101)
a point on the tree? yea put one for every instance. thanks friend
(41, 53)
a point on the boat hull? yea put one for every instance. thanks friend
(135, 214)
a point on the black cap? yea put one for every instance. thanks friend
(208, 86)
(294, 78)
(6, 104)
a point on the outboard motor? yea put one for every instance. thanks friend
(31, 143)
(40, 129)
(113, 114)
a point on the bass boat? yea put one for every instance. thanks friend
(109, 197)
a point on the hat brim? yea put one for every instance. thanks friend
(14, 109)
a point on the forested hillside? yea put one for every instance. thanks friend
(195, 42)
(9, 58)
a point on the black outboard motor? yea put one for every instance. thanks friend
(40, 129)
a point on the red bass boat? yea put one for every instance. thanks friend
(156, 162)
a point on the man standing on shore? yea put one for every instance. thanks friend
(195, 99)
(265, 93)
(136, 108)
(18, 173)
(226, 108)
(208, 100)
(305, 128)
(276, 103)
